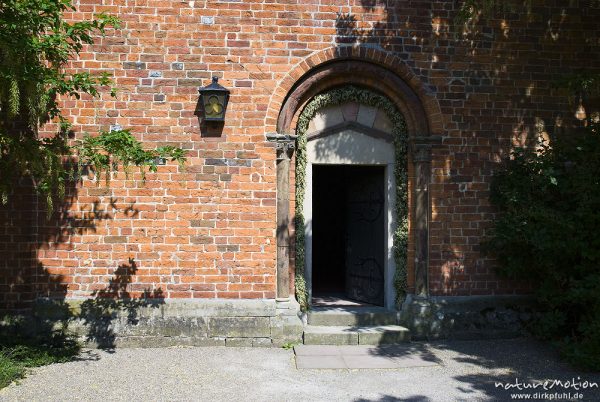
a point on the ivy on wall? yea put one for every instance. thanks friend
(336, 97)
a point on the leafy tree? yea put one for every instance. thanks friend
(36, 44)
(547, 233)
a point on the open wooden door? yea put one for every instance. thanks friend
(365, 235)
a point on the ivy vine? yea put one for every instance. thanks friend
(339, 96)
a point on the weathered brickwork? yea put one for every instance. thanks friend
(208, 231)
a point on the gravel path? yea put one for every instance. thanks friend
(467, 371)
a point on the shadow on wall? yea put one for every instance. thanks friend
(35, 274)
(112, 303)
(343, 147)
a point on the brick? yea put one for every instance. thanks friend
(202, 223)
(228, 248)
(115, 239)
(238, 43)
(134, 65)
(99, 191)
(201, 240)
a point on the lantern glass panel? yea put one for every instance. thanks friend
(214, 106)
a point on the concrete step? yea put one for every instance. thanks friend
(354, 335)
(356, 316)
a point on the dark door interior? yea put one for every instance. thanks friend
(348, 232)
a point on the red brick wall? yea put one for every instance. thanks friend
(209, 231)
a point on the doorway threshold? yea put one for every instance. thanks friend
(337, 300)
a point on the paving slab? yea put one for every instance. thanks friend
(382, 350)
(360, 357)
(356, 350)
(369, 362)
(318, 350)
(320, 362)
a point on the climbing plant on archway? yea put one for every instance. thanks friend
(339, 96)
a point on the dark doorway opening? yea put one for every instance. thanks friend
(348, 233)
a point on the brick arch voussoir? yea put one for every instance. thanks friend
(364, 66)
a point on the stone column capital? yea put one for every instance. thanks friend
(421, 147)
(284, 144)
(434, 140)
(421, 153)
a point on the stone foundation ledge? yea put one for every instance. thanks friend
(109, 323)
(467, 317)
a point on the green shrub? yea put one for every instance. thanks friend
(10, 370)
(548, 233)
(15, 359)
(21, 348)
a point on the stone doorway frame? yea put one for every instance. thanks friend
(385, 156)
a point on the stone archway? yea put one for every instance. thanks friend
(358, 65)
(421, 114)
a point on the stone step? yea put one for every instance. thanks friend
(353, 335)
(357, 316)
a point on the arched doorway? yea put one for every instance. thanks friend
(300, 92)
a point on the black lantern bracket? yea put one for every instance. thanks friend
(214, 98)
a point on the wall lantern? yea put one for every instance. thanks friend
(580, 112)
(214, 98)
